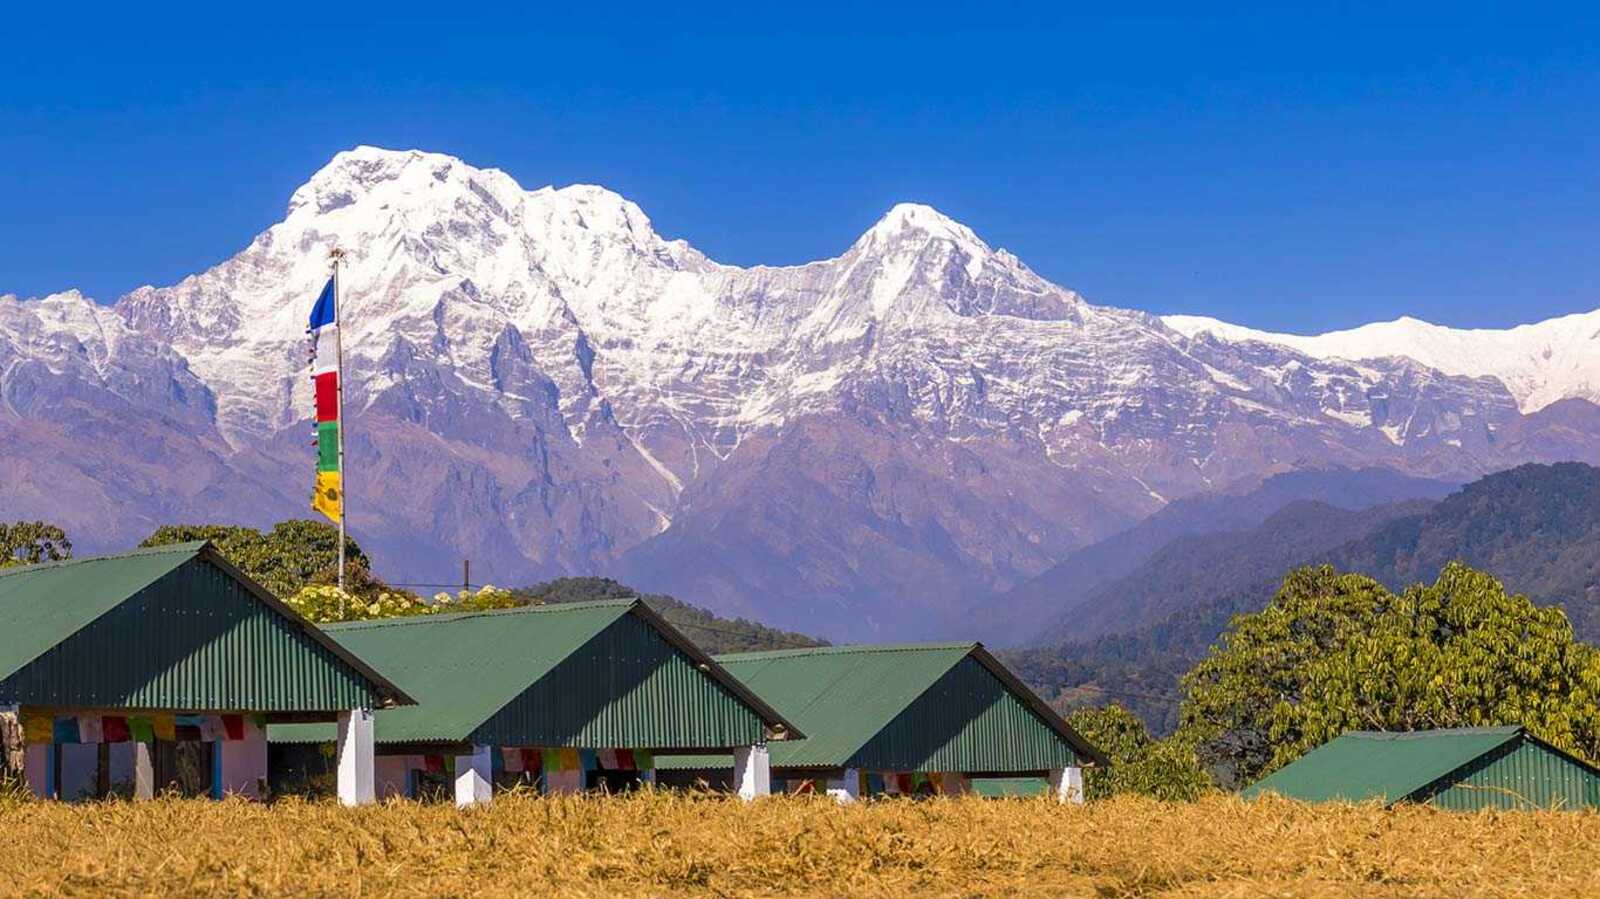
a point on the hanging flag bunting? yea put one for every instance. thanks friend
(324, 330)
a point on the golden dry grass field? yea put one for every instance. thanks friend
(659, 845)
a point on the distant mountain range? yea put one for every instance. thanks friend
(860, 447)
(1536, 527)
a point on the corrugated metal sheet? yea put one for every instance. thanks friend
(42, 605)
(1454, 768)
(966, 721)
(625, 687)
(1519, 775)
(593, 674)
(910, 707)
(193, 637)
(1363, 765)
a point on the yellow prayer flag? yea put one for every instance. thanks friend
(329, 498)
(37, 728)
(570, 760)
(165, 726)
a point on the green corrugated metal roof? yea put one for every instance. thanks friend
(849, 700)
(173, 627)
(1380, 765)
(42, 605)
(475, 672)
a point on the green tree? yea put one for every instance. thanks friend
(1164, 769)
(32, 542)
(293, 555)
(1334, 652)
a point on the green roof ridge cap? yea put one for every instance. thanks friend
(846, 649)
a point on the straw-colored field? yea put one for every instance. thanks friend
(663, 845)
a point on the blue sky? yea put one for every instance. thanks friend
(1287, 170)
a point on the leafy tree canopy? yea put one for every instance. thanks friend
(293, 555)
(32, 542)
(1335, 652)
(1166, 769)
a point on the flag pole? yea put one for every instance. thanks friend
(337, 255)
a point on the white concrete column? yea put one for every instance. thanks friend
(244, 763)
(356, 757)
(752, 771)
(474, 784)
(846, 787)
(144, 772)
(1066, 785)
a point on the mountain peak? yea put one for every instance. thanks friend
(906, 219)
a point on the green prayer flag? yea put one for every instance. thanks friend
(141, 729)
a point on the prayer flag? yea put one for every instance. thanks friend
(328, 497)
(141, 729)
(233, 726)
(65, 730)
(165, 726)
(114, 729)
(89, 729)
(37, 729)
(511, 759)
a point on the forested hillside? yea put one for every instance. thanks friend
(714, 634)
(1536, 527)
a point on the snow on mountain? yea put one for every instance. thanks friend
(1539, 363)
(540, 381)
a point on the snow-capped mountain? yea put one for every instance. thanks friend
(1539, 363)
(538, 380)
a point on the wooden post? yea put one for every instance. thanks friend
(356, 757)
(1066, 785)
(752, 771)
(473, 778)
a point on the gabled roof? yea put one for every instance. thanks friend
(844, 696)
(1382, 765)
(466, 668)
(42, 606)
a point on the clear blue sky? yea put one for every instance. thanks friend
(1292, 171)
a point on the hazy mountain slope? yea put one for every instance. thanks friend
(1536, 527)
(538, 380)
(1069, 600)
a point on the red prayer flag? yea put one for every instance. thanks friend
(114, 730)
(234, 726)
(433, 764)
(532, 760)
(625, 760)
(327, 390)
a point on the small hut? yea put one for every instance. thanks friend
(162, 668)
(906, 719)
(1464, 769)
(559, 698)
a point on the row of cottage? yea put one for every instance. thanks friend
(169, 669)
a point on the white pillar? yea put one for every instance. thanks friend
(752, 771)
(355, 756)
(144, 772)
(473, 773)
(846, 787)
(1066, 785)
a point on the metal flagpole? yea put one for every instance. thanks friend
(337, 255)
